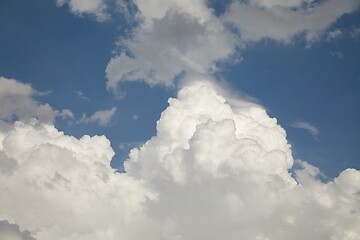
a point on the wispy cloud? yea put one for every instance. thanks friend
(103, 117)
(333, 35)
(355, 33)
(81, 95)
(312, 130)
(337, 54)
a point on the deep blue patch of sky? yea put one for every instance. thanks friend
(54, 50)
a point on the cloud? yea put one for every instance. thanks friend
(333, 35)
(337, 54)
(306, 126)
(355, 33)
(97, 8)
(17, 102)
(213, 170)
(170, 38)
(81, 95)
(103, 117)
(12, 232)
(282, 21)
(175, 43)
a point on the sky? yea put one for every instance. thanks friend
(120, 115)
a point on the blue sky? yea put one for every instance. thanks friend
(179, 119)
(53, 50)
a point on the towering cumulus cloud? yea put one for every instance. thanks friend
(218, 168)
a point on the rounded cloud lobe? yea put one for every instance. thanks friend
(214, 170)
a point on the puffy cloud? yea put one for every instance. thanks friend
(218, 168)
(63, 187)
(173, 37)
(92, 7)
(333, 35)
(12, 232)
(103, 117)
(175, 43)
(283, 21)
(314, 131)
(17, 102)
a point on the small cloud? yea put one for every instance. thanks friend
(103, 118)
(312, 130)
(336, 54)
(135, 117)
(334, 35)
(18, 102)
(81, 95)
(66, 113)
(355, 33)
(127, 146)
(42, 94)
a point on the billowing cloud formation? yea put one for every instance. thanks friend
(216, 169)
(102, 117)
(12, 232)
(17, 102)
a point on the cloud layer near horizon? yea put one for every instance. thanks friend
(218, 168)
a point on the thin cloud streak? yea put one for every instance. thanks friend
(311, 129)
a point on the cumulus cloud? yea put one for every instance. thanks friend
(283, 20)
(102, 117)
(97, 8)
(17, 103)
(174, 37)
(312, 130)
(155, 56)
(12, 232)
(216, 169)
(175, 43)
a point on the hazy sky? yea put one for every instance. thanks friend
(241, 115)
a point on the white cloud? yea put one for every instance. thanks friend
(212, 171)
(314, 131)
(173, 37)
(98, 8)
(103, 117)
(333, 35)
(176, 43)
(81, 95)
(135, 117)
(282, 22)
(17, 102)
